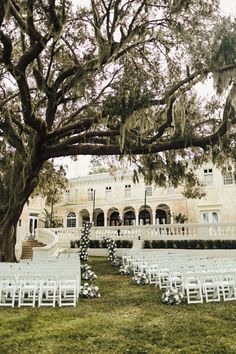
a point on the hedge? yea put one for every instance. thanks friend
(102, 244)
(191, 244)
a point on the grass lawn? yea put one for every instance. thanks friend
(127, 319)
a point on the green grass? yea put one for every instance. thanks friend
(127, 319)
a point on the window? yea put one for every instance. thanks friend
(210, 216)
(67, 194)
(148, 191)
(90, 194)
(76, 194)
(228, 176)
(128, 191)
(108, 193)
(208, 177)
(71, 219)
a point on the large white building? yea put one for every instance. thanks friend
(112, 200)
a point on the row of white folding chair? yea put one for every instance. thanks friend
(209, 285)
(197, 285)
(134, 255)
(47, 290)
(164, 277)
(131, 260)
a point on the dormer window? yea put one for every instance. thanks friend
(128, 191)
(208, 177)
(228, 176)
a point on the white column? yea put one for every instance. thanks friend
(90, 215)
(105, 217)
(136, 216)
(120, 211)
(153, 217)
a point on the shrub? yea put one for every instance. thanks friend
(94, 244)
(201, 244)
(126, 244)
(162, 244)
(169, 244)
(191, 244)
(118, 243)
(147, 244)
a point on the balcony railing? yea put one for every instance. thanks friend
(204, 231)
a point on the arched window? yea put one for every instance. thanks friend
(129, 218)
(100, 219)
(71, 219)
(144, 217)
(163, 214)
(114, 218)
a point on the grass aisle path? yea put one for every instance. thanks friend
(126, 319)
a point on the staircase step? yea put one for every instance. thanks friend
(27, 251)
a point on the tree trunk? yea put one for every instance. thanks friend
(25, 180)
(7, 240)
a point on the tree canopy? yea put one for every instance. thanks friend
(114, 78)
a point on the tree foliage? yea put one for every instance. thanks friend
(115, 78)
(51, 183)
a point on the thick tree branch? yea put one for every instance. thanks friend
(166, 124)
(7, 48)
(11, 133)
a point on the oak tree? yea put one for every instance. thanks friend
(115, 78)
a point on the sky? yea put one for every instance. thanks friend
(227, 6)
(81, 166)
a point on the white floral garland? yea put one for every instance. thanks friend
(125, 270)
(87, 273)
(89, 291)
(173, 296)
(141, 279)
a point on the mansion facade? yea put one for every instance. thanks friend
(108, 200)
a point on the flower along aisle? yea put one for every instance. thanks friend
(125, 270)
(173, 296)
(112, 256)
(87, 273)
(88, 290)
(140, 279)
(84, 242)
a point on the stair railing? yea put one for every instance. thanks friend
(50, 240)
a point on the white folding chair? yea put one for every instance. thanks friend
(152, 271)
(28, 290)
(227, 285)
(162, 278)
(48, 286)
(8, 290)
(193, 288)
(176, 279)
(210, 286)
(67, 291)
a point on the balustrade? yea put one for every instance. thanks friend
(202, 231)
(51, 241)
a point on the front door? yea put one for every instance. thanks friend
(33, 223)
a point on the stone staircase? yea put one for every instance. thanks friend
(27, 252)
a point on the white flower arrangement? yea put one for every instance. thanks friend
(125, 270)
(111, 246)
(89, 291)
(84, 241)
(173, 296)
(140, 279)
(87, 273)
